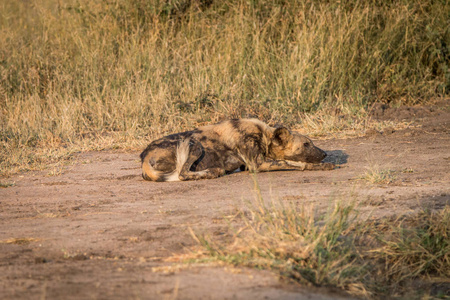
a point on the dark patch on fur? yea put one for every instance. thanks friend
(195, 164)
(165, 164)
(144, 153)
(236, 124)
(209, 159)
(252, 146)
(217, 156)
(178, 136)
(253, 140)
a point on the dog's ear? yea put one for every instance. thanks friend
(281, 136)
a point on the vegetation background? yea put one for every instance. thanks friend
(82, 74)
(78, 75)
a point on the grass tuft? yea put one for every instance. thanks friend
(5, 185)
(18, 241)
(417, 245)
(377, 175)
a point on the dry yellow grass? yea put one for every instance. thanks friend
(81, 75)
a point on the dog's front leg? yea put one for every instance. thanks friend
(310, 166)
(276, 165)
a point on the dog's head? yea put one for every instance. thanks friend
(286, 145)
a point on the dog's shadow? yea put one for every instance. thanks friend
(337, 157)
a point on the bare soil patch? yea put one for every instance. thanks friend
(98, 230)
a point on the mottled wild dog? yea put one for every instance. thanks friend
(214, 150)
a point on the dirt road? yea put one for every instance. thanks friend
(99, 231)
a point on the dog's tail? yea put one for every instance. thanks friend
(150, 173)
(182, 156)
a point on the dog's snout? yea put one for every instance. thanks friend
(318, 156)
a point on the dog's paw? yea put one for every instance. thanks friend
(216, 172)
(328, 166)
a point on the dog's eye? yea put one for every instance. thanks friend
(306, 144)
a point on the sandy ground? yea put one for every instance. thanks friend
(99, 231)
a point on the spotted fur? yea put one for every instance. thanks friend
(214, 150)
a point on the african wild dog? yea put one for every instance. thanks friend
(214, 150)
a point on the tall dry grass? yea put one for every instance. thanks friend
(84, 74)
